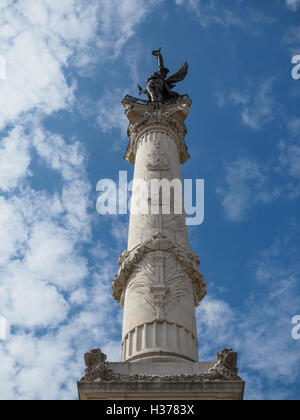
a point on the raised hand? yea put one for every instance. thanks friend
(156, 52)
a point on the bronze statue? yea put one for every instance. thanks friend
(158, 88)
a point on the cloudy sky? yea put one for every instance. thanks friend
(69, 63)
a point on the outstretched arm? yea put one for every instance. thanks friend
(157, 53)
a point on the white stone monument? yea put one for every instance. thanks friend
(158, 283)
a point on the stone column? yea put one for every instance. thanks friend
(158, 282)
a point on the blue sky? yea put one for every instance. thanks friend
(68, 66)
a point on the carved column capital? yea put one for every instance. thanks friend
(146, 116)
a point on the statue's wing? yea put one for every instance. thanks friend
(179, 75)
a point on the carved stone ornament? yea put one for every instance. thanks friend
(96, 366)
(158, 162)
(188, 260)
(144, 117)
(226, 364)
(97, 370)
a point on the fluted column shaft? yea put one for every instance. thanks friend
(158, 282)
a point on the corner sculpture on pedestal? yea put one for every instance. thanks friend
(98, 370)
(158, 283)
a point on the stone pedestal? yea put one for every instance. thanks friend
(162, 391)
(179, 380)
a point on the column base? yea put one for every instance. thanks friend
(159, 339)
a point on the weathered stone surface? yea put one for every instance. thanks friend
(162, 380)
(149, 117)
(164, 391)
(98, 370)
(188, 260)
(158, 283)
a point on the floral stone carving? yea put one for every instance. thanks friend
(188, 260)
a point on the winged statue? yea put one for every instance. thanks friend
(158, 87)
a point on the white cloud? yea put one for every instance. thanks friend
(245, 184)
(43, 274)
(119, 232)
(268, 330)
(258, 108)
(293, 4)
(33, 304)
(124, 16)
(294, 126)
(211, 12)
(38, 261)
(34, 80)
(256, 103)
(289, 167)
(216, 12)
(291, 38)
(213, 319)
(111, 112)
(261, 329)
(14, 159)
(52, 257)
(239, 98)
(39, 41)
(57, 305)
(214, 313)
(290, 158)
(13, 232)
(248, 183)
(50, 336)
(68, 159)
